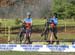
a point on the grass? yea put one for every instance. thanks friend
(35, 53)
(37, 36)
(68, 22)
(7, 22)
(66, 36)
(12, 22)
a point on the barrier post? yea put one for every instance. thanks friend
(5, 30)
(8, 34)
(65, 26)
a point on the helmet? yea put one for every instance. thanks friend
(28, 13)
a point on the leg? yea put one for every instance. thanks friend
(51, 37)
(55, 35)
(29, 39)
(28, 34)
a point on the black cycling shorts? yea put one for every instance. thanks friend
(54, 30)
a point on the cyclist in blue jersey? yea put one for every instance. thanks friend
(53, 27)
(26, 27)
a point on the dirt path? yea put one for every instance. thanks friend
(3, 40)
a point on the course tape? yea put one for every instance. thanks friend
(38, 48)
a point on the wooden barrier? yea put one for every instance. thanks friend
(8, 34)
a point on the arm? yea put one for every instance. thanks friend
(56, 21)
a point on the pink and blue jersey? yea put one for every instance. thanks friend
(55, 20)
(28, 20)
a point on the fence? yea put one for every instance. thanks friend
(10, 33)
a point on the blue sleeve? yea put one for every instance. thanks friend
(31, 19)
(56, 21)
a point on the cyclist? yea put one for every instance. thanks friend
(53, 27)
(27, 27)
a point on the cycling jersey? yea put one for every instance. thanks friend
(28, 23)
(55, 20)
(28, 20)
(52, 25)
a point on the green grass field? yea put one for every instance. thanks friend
(35, 53)
(37, 36)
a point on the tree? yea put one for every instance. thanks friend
(64, 8)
